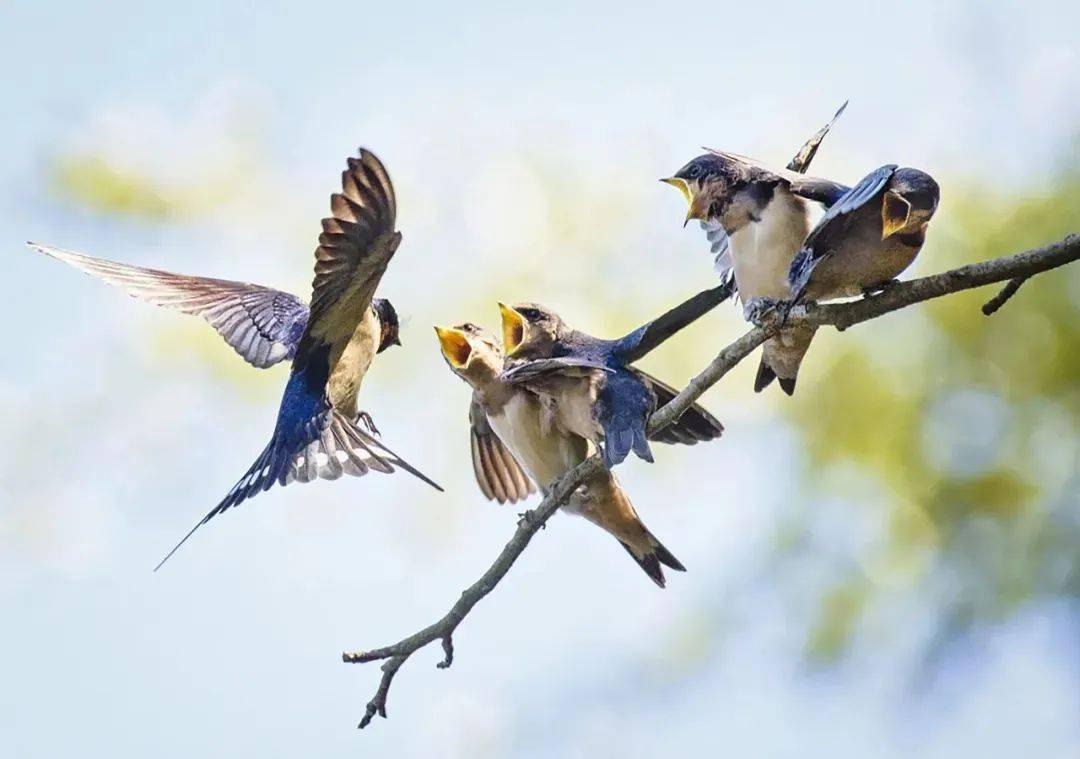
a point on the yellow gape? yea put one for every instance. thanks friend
(513, 329)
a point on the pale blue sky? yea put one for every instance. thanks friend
(494, 120)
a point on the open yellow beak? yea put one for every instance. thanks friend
(895, 211)
(513, 329)
(455, 346)
(681, 186)
(695, 210)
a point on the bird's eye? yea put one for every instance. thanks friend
(693, 172)
(715, 209)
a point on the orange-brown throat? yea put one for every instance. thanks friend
(455, 346)
(513, 329)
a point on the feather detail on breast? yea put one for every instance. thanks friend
(544, 453)
(351, 363)
(762, 250)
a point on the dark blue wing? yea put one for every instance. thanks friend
(852, 200)
(817, 246)
(263, 325)
(624, 405)
(642, 340)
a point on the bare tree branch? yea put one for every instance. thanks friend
(991, 306)
(841, 315)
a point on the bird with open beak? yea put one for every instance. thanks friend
(513, 433)
(867, 238)
(320, 432)
(757, 219)
(591, 390)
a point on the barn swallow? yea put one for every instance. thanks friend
(510, 424)
(714, 230)
(587, 380)
(868, 237)
(319, 430)
(763, 216)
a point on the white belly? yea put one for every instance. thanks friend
(762, 250)
(545, 457)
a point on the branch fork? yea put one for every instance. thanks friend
(1015, 270)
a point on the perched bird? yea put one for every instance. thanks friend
(588, 382)
(515, 437)
(757, 219)
(320, 432)
(719, 244)
(868, 237)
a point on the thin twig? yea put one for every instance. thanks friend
(842, 315)
(991, 306)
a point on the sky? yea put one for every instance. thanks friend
(525, 145)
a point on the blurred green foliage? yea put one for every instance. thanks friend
(967, 428)
(969, 424)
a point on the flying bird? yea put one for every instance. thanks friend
(588, 381)
(516, 440)
(320, 432)
(868, 237)
(757, 219)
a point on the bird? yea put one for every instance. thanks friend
(515, 442)
(319, 431)
(867, 238)
(588, 381)
(757, 219)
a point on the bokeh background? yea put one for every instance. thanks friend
(884, 565)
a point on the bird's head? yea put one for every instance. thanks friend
(389, 326)
(529, 330)
(716, 189)
(472, 352)
(909, 203)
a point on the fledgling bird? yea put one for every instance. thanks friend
(588, 382)
(512, 431)
(320, 432)
(758, 219)
(868, 237)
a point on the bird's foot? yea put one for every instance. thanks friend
(364, 419)
(755, 310)
(880, 288)
(525, 519)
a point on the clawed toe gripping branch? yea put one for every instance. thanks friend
(1015, 269)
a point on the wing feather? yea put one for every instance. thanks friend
(355, 247)
(696, 425)
(261, 324)
(498, 473)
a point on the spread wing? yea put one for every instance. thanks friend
(801, 162)
(822, 238)
(646, 338)
(261, 324)
(720, 247)
(694, 426)
(820, 190)
(498, 473)
(356, 245)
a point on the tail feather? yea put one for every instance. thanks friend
(765, 376)
(260, 476)
(650, 562)
(666, 557)
(341, 447)
(781, 357)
